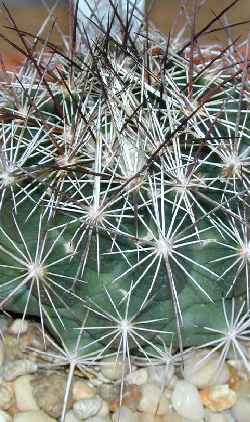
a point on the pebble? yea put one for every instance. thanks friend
(16, 368)
(149, 417)
(35, 338)
(108, 392)
(86, 408)
(185, 399)
(172, 417)
(138, 377)
(218, 398)
(124, 414)
(131, 396)
(23, 389)
(152, 401)
(71, 417)
(214, 417)
(6, 395)
(81, 390)
(5, 417)
(49, 393)
(104, 411)
(160, 375)
(243, 390)
(19, 326)
(96, 419)
(241, 409)
(112, 367)
(202, 371)
(34, 416)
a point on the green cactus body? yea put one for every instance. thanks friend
(124, 195)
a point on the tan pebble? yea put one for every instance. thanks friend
(201, 370)
(218, 398)
(81, 390)
(139, 377)
(14, 369)
(104, 411)
(34, 416)
(19, 326)
(241, 369)
(131, 397)
(10, 341)
(172, 417)
(241, 409)
(243, 390)
(6, 395)
(234, 380)
(148, 417)
(153, 401)
(23, 389)
(113, 367)
(123, 414)
(160, 375)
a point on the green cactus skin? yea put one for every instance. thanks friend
(124, 193)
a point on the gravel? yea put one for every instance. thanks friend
(32, 386)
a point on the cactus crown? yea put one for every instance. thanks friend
(124, 190)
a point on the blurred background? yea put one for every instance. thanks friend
(29, 15)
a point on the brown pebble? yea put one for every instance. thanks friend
(131, 397)
(35, 338)
(49, 393)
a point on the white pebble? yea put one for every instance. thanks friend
(214, 416)
(71, 417)
(113, 367)
(241, 409)
(25, 401)
(96, 419)
(202, 370)
(138, 377)
(19, 326)
(152, 401)
(34, 416)
(86, 408)
(14, 369)
(186, 401)
(124, 414)
(5, 417)
(160, 375)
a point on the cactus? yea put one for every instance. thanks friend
(124, 191)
